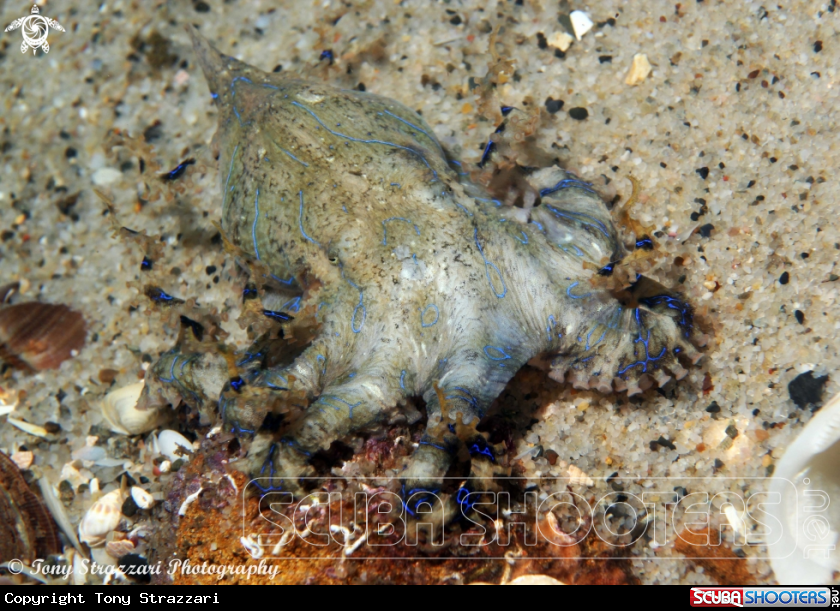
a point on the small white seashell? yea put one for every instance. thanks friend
(804, 522)
(639, 70)
(173, 445)
(143, 499)
(581, 23)
(101, 519)
(119, 407)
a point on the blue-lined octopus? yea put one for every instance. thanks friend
(345, 203)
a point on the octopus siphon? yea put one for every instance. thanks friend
(344, 204)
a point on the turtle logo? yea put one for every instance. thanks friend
(34, 28)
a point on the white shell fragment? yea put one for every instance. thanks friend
(105, 176)
(639, 70)
(56, 508)
(581, 23)
(27, 427)
(560, 40)
(7, 408)
(101, 519)
(802, 544)
(119, 407)
(143, 499)
(578, 476)
(182, 510)
(173, 445)
(23, 460)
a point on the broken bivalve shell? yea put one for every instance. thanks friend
(40, 335)
(142, 499)
(118, 549)
(802, 543)
(173, 445)
(27, 531)
(119, 407)
(101, 519)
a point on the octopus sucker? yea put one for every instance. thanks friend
(426, 285)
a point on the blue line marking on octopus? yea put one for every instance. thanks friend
(248, 358)
(423, 315)
(569, 292)
(675, 304)
(171, 378)
(646, 343)
(303, 163)
(485, 199)
(598, 340)
(357, 329)
(293, 305)
(487, 266)
(280, 280)
(334, 399)
(284, 383)
(340, 135)
(458, 163)
(419, 129)
(462, 394)
(395, 218)
(551, 324)
(300, 221)
(254, 227)
(356, 309)
(567, 183)
(230, 171)
(494, 353)
(462, 207)
(233, 94)
(572, 216)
